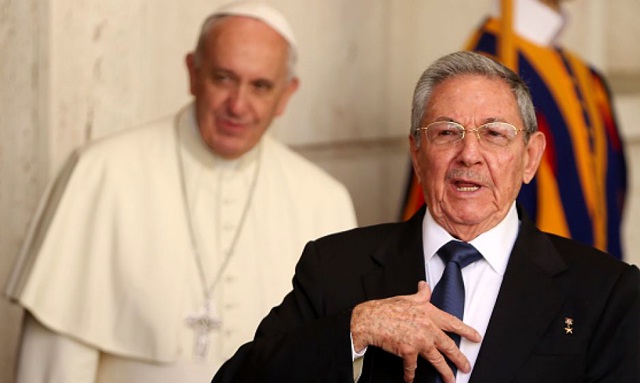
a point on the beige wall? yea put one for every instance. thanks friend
(75, 70)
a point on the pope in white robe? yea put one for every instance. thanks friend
(146, 231)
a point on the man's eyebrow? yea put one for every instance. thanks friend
(486, 120)
(221, 70)
(489, 120)
(263, 80)
(445, 119)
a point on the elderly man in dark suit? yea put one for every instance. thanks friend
(497, 300)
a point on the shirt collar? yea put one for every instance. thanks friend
(495, 245)
(535, 21)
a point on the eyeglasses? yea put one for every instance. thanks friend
(496, 133)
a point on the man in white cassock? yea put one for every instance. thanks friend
(157, 250)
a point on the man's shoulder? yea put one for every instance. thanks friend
(587, 259)
(285, 154)
(573, 247)
(124, 155)
(136, 140)
(366, 237)
(297, 166)
(134, 134)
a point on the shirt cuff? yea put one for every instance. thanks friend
(354, 354)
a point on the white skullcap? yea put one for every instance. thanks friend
(263, 12)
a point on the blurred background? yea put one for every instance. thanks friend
(72, 71)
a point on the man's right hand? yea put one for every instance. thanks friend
(408, 326)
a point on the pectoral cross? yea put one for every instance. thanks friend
(203, 323)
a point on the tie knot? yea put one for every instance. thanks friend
(461, 253)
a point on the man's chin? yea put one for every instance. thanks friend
(466, 214)
(230, 150)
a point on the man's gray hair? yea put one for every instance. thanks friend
(470, 63)
(211, 21)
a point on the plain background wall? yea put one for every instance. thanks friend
(75, 70)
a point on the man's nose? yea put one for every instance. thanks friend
(472, 132)
(470, 147)
(238, 100)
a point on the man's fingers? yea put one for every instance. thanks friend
(410, 365)
(436, 359)
(448, 348)
(452, 324)
(423, 287)
(424, 291)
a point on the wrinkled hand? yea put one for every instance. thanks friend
(408, 326)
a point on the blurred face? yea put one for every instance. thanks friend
(554, 4)
(469, 186)
(240, 84)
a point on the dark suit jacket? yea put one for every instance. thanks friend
(548, 279)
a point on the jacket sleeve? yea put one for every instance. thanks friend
(614, 353)
(300, 340)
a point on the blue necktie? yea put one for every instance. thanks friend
(448, 295)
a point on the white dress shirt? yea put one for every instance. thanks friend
(482, 279)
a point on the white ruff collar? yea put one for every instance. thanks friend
(535, 21)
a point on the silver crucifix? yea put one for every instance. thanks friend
(203, 323)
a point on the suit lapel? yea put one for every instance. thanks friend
(527, 302)
(402, 266)
(401, 261)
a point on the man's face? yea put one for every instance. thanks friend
(240, 84)
(469, 186)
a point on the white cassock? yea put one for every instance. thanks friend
(108, 268)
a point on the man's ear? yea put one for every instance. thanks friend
(414, 150)
(533, 155)
(190, 60)
(291, 88)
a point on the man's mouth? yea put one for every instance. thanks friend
(231, 126)
(466, 186)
